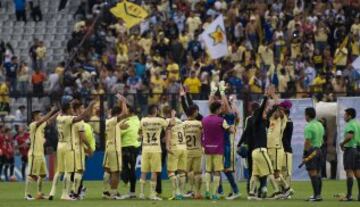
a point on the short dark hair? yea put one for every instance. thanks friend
(310, 112)
(166, 111)
(65, 107)
(76, 105)
(191, 110)
(152, 109)
(351, 112)
(131, 109)
(214, 107)
(34, 113)
(116, 111)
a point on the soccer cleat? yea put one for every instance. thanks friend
(215, 197)
(67, 198)
(189, 194)
(314, 199)
(207, 195)
(106, 195)
(253, 197)
(82, 193)
(233, 196)
(263, 192)
(275, 196)
(28, 197)
(155, 198)
(141, 196)
(288, 192)
(179, 197)
(128, 196)
(41, 196)
(116, 196)
(346, 198)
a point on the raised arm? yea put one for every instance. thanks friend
(47, 116)
(85, 114)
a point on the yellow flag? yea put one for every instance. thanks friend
(341, 46)
(131, 13)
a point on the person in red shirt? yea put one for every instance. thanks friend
(2, 156)
(9, 153)
(23, 143)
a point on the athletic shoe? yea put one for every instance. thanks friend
(40, 196)
(128, 196)
(275, 196)
(233, 196)
(67, 198)
(141, 196)
(263, 193)
(82, 193)
(28, 197)
(116, 196)
(179, 197)
(106, 195)
(207, 195)
(198, 197)
(215, 197)
(347, 198)
(314, 199)
(155, 198)
(189, 194)
(253, 197)
(288, 192)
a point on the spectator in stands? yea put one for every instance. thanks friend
(193, 84)
(40, 55)
(37, 80)
(20, 116)
(23, 144)
(9, 152)
(81, 10)
(23, 78)
(35, 10)
(11, 70)
(2, 150)
(20, 10)
(32, 53)
(4, 97)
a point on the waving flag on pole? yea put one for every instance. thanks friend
(215, 38)
(131, 13)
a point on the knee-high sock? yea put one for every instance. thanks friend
(28, 182)
(197, 180)
(152, 188)
(23, 170)
(181, 180)
(216, 184)
(273, 183)
(77, 181)
(174, 184)
(349, 186)
(207, 181)
(68, 183)
(315, 184)
(253, 183)
(319, 184)
(106, 182)
(39, 184)
(142, 185)
(55, 183)
(231, 179)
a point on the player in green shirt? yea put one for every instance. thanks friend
(351, 156)
(313, 134)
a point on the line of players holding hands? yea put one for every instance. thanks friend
(266, 142)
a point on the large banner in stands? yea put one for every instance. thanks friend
(297, 115)
(343, 103)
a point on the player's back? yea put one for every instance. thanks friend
(113, 140)
(75, 130)
(64, 123)
(151, 128)
(37, 139)
(193, 133)
(177, 134)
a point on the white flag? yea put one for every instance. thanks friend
(214, 37)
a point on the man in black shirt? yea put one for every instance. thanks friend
(286, 140)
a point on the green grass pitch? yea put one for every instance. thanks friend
(11, 195)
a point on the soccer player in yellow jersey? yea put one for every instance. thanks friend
(65, 155)
(150, 132)
(193, 135)
(112, 158)
(37, 167)
(177, 156)
(79, 142)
